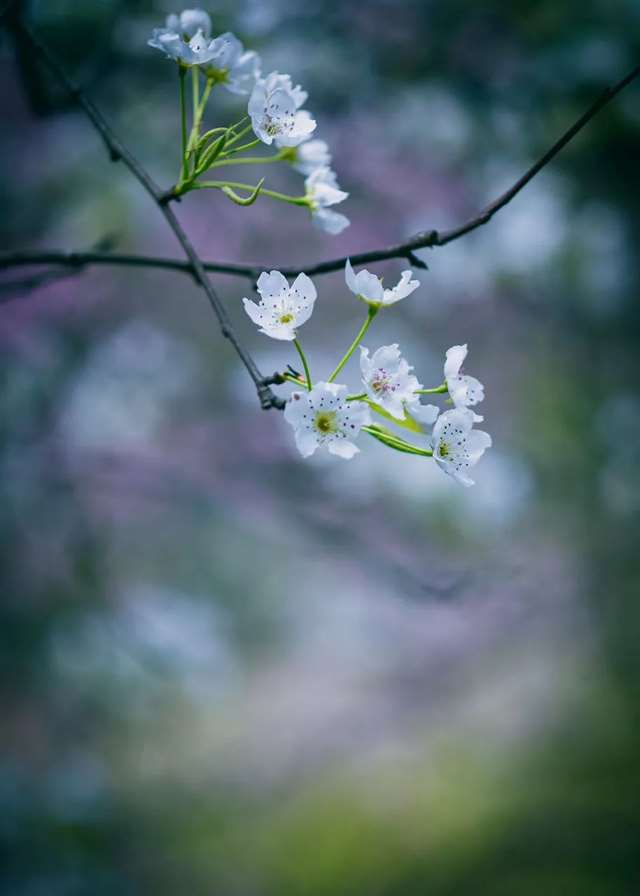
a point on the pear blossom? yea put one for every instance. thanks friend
(465, 391)
(310, 155)
(323, 416)
(322, 190)
(282, 308)
(369, 287)
(456, 445)
(198, 50)
(388, 380)
(231, 66)
(276, 116)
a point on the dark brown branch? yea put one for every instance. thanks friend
(422, 240)
(79, 260)
(118, 152)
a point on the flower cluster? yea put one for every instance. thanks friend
(323, 413)
(275, 114)
(326, 414)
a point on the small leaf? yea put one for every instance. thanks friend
(211, 154)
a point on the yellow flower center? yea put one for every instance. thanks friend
(443, 449)
(286, 318)
(325, 422)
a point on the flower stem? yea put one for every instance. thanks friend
(240, 133)
(371, 313)
(195, 90)
(391, 441)
(248, 160)
(219, 184)
(438, 390)
(360, 397)
(304, 363)
(182, 72)
(244, 147)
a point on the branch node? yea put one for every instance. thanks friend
(276, 379)
(416, 262)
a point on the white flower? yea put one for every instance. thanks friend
(231, 66)
(324, 417)
(283, 308)
(322, 190)
(388, 380)
(189, 22)
(274, 107)
(197, 51)
(456, 445)
(465, 391)
(310, 155)
(369, 287)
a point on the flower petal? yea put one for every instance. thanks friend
(454, 360)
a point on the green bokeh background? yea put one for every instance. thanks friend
(226, 671)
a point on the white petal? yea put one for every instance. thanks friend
(306, 442)
(296, 408)
(477, 443)
(330, 221)
(350, 277)
(454, 360)
(272, 286)
(365, 363)
(343, 448)
(283, 332)
(387, 356)
(254, 311)
(425, 413)
(403, 288)
(303, 290)
(452, 421)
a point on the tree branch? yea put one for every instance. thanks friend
(118, 152)
(423, 240)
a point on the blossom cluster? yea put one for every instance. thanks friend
(322, 413)
(326, 414)
(274, 109)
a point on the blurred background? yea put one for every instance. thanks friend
(229, 671)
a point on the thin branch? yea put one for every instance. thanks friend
(422, 240)
(79, 260)
(117, 151)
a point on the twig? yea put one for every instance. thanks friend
(79, 260)
(118, 152)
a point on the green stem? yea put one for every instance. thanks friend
(195, 90)
(292, 379)
(359, 397)
(371, 313)
(438, 390)
(244, 147)
(182, 72)
(398, 444)
(240, 134)
(407, 423)
(219, 184)
(248, 160)
(304, 363)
